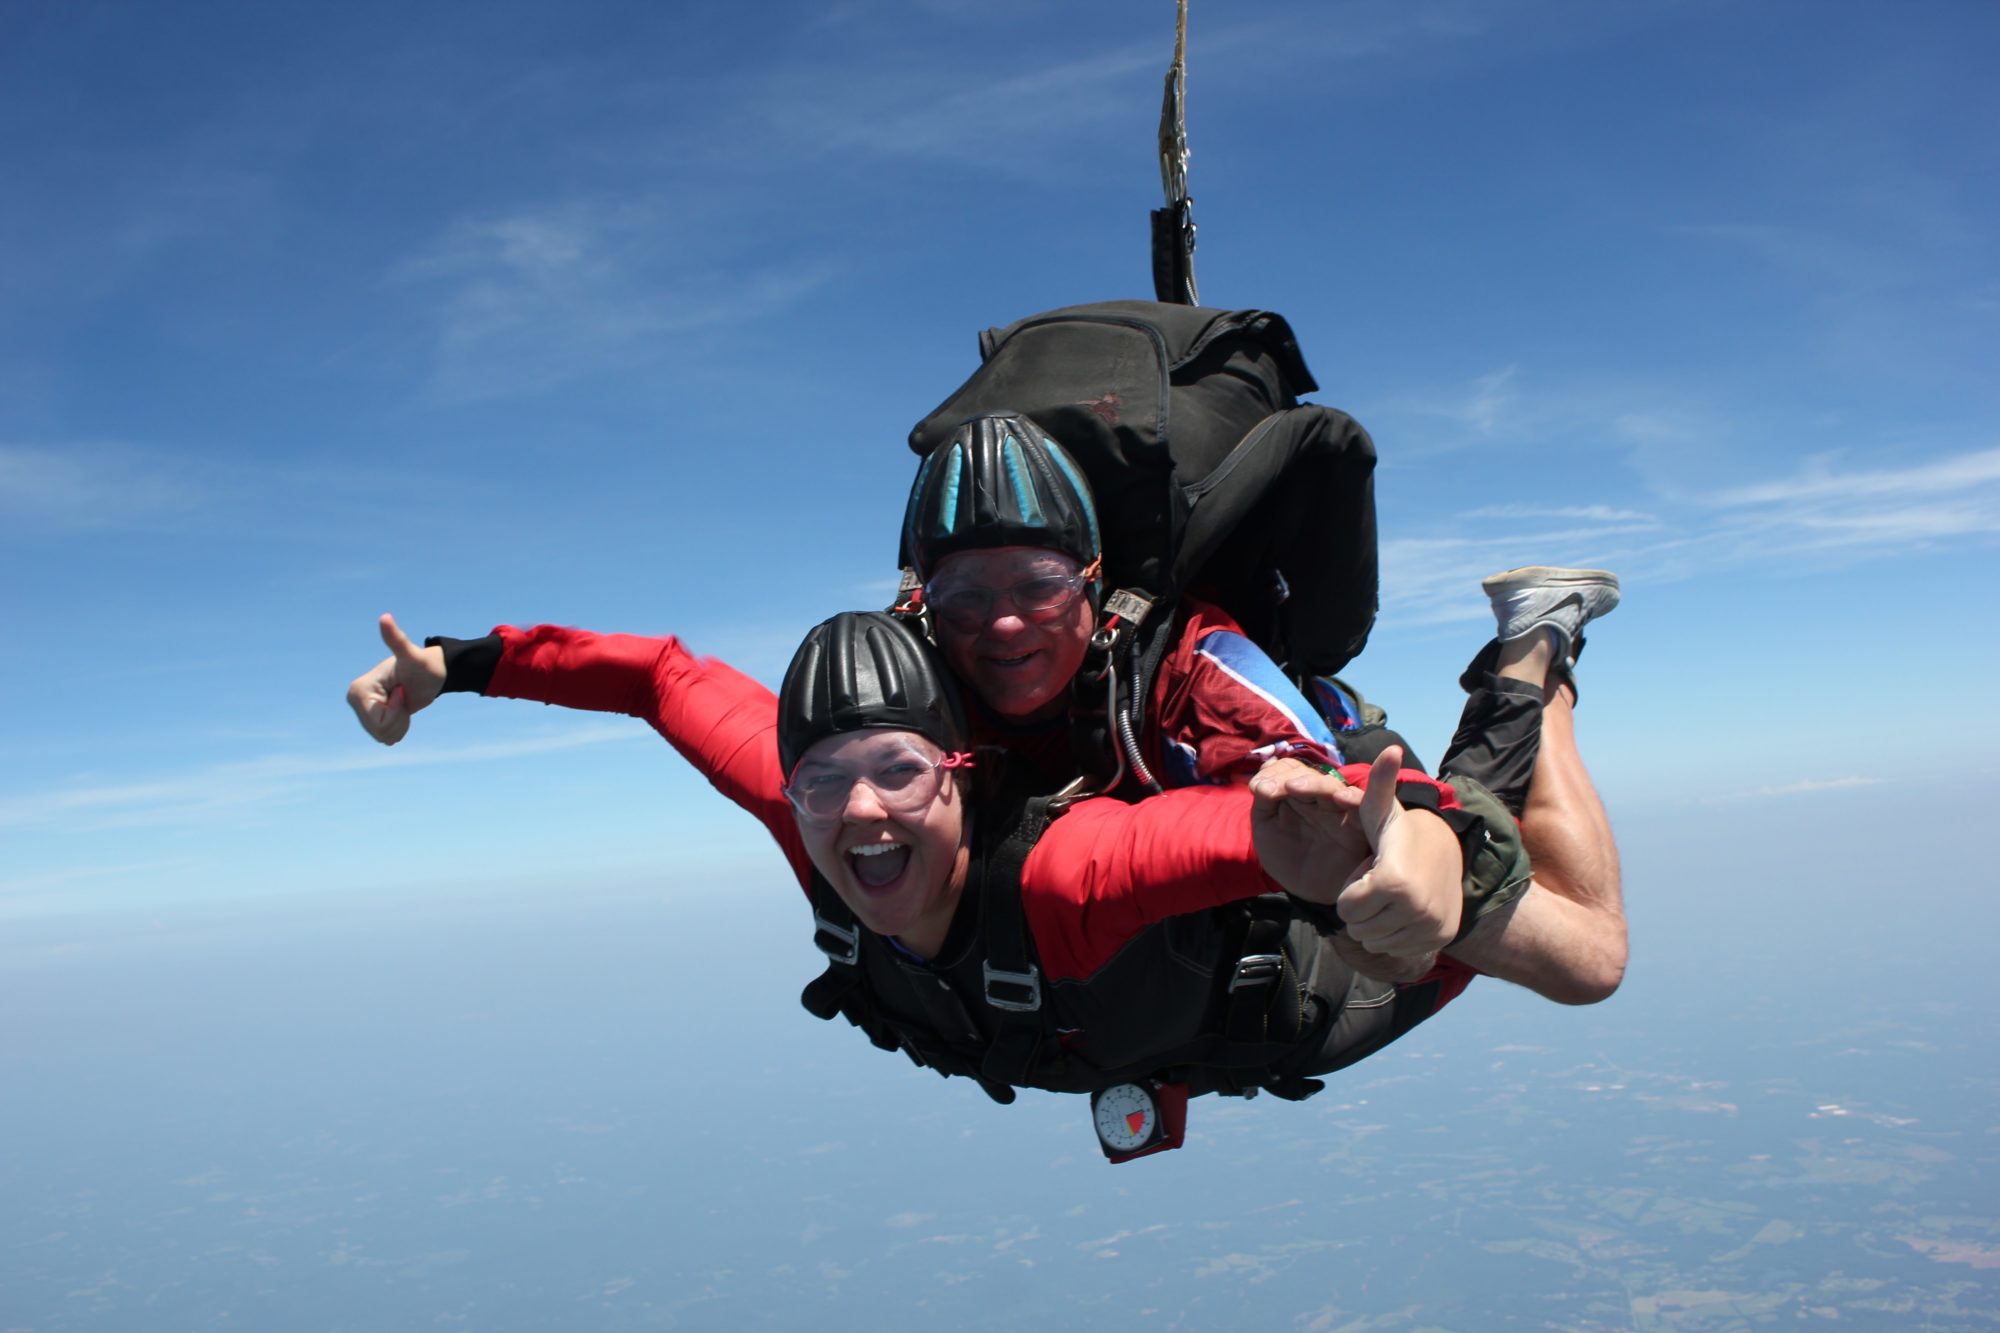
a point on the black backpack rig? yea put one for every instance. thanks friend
(1209, 476)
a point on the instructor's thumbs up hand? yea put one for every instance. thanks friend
(1405, 900)
(404, 682)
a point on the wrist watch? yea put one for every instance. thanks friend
(1138, 1119)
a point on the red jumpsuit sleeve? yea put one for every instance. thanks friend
(721, 721)
(1105, 870)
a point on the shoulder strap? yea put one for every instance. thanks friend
(843, 989)
(1011, 977)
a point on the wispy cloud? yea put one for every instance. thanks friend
(86, 488)
(1803, 787)
(954, 120)
(1581, 513)
(218, 791)
(1457, 415)
(1057, 112)
(77, 238)
(547, 291)
(1819, 480)
(1830, 508)
(91, 487)
(1435, 580)
(541, 295)
(1482, 406)
(1824, 508)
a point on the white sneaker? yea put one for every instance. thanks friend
(1564, 600)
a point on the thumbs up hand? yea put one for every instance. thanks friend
(400, 684)
(1404, 900)
(1393, 875)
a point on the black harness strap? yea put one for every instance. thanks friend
(1262, 1013)
(1012, 977)
(1267, 1009)
(1256, 988)
(843, 989)
(944, 1013)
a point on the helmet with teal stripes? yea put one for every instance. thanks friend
(999, 480)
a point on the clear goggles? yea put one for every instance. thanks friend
(969, 606)
(904, 781)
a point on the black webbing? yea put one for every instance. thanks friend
(1013, 978)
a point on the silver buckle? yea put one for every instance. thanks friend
(1257, 969)
(1131, 607)
(840, 943)
(1029, 981)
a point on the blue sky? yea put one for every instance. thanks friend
(500, 313)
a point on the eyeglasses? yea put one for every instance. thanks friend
(904, 782)
(970, 608)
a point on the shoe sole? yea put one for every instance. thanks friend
(1546, 576)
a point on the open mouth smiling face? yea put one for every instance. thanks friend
(882, 821)
(878, 867)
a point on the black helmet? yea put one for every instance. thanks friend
(998, 481)
(859, 670)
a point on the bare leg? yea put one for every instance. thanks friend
(1563, 823)
(1566, 937)
(1527, 659)
(1567, 833)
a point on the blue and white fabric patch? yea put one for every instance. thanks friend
(1248, 665)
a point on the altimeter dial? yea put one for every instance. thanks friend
(1127, 1117)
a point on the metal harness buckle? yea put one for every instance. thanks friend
(1028, 983)
(1129, 606)
(840, 943)
(1257, 969)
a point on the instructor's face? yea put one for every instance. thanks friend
(1019, 659)
(886, 827)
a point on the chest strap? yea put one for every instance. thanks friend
(1264, 1009)
(1010, 976)
(948, 1038)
